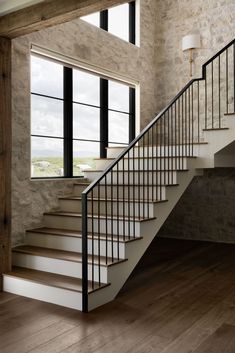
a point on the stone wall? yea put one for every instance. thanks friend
(80, 40)
(214, 20)
(206, 210)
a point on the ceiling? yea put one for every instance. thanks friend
(7, 6)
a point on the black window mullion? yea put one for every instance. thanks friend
(103, 117)
(132, 114)
(68, 122)
(132, 22)
(104, 20)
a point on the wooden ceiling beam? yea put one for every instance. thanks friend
(49, 13)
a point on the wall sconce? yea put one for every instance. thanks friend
(191, 42)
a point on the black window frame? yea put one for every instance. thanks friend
(68, 102)
(104, 21)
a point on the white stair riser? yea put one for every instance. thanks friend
(121, 208)
(66, 222)
(146, 164)
(145, 178)
(49, 294)
(181, 150)
(62, 267)
(140, 192)
(75, 244)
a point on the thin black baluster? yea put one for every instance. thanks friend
(128, 194)
(212, 95)
(148, 176)
(123, 201)
(198, 111)
(133, 196)
(117, 209)
(138, 172)
(160, 156)
(167, 167)
(219, 91)
(173, 147)
(92, 244)
(143, 178)
(192, 123)
(164, 153)
(186, 124)
(152, 161)
(178, 132)
(106, 219)
(189, 121)
(99, 267)
(112, 221)
(182, 128)
(227, 81)
(233, 77)
(206, 101)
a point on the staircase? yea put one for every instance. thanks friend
(88, 248)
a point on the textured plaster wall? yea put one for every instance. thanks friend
(205, 211)
(83, 41)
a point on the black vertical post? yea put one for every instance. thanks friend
(132, 114)
(132, 25)
(84, 255)
(68, 122)
(104, 20)
(103, 117)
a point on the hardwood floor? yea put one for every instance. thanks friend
(180, 299)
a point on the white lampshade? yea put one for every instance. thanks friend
(191, 41)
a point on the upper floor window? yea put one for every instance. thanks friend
(118, 20)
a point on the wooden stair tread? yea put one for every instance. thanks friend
(77, 234)
(52, 279)
(62, 255)
(101, 216)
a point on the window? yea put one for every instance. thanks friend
(118, 20)
(75, 115)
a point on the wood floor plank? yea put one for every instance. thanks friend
(222, 341)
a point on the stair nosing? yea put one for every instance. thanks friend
(32, 253)
(78, 198)
(79, 215)
(12, 274)
(96, 236)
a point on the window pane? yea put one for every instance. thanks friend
(93, 19)
(46, 77)
(86, 122)
(46, 116)
(118, 127)
(119, 21)
(46, 157)
(118, 96)
(86, 88)
(84, 153)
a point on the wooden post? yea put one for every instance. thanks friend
(5, 156)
